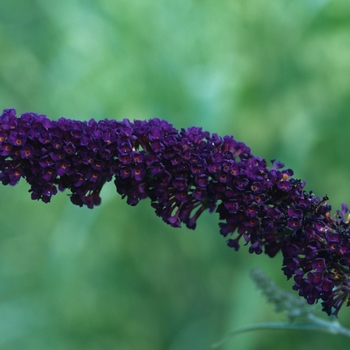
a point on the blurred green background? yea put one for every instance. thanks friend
(273, 73)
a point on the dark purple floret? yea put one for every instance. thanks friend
(185, 173)
(319, 259)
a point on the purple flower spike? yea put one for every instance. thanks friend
(185, 173)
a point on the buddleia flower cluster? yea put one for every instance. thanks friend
(183, 173)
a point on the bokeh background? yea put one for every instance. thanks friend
(273, 73)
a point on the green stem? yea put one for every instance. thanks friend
(315, 324)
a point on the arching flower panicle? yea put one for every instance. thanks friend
(184, 173)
